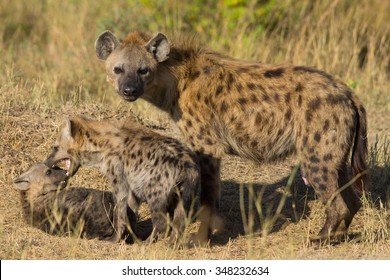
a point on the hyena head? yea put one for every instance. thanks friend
(41, 179)
(71, 146)
(131, 64)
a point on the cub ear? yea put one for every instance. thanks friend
(105, 44)
(23, 182)
(158, 46)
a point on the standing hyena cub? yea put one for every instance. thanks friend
(141, 165)
(50, 206)
(257, 111)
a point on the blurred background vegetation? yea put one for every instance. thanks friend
(47, 46)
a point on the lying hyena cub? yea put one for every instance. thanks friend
(51, 207)
(262, 112)
(141, 165)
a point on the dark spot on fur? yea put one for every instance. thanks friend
(251, 86)
(304, 140)
(322, 187)
(287, 115)
(189, 123)
(317, 136)
(242, 101)
(325, 177)
(230, 81)
(274, 73)
(219, 90)
(146, 138)
(265, 97)
(299, 100)
(206, 70)
(238, 87)
(337, 99)
(315, 104)
(308, 115)
(314, 159)
(253, 98)
(287, 97)
(299, 87)
(328, 157)
(254, 143)
(223, 107)
(326, 125)
(336, 119)
(114, 181)
(194, 75)
(348, 93)
(208, 141)
(325, 170)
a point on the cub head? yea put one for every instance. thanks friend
(69, 143)
(131, 64)
(41, 179)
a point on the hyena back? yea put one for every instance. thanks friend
(141, 165)
(56, 209)
(257, 111)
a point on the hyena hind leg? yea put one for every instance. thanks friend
(325, 180)
(209, 198)
(350, 198)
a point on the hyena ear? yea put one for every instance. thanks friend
(105, 44)
(70, 129)
(23, 182)
(158, 46)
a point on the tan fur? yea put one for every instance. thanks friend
(261, 112)
(142, 166)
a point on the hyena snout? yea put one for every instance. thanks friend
(130, 90)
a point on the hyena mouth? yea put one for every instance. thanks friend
(64, 163)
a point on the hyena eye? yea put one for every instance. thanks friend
(143, 71)
(118, 70)
(48, 172)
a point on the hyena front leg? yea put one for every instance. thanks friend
(209, 196)
(121, 194)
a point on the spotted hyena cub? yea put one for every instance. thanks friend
(257, 111)
(141, 165)
(50, 206)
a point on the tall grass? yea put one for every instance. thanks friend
(51, 43)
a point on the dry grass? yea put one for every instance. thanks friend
(50, 71)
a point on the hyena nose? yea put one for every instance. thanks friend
(129, 91)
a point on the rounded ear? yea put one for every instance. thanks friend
(158, 46)
(23, 182)
(70, 128)
(105, 44)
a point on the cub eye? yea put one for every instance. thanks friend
(118, 70)
(48, 172)
(143, 71)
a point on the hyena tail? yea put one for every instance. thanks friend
(360, 149)
(191, 185)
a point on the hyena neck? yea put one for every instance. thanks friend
(173, 74)
(90, 158)
(34, 207)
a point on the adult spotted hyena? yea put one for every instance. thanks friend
(141, 165)
(257, 111)
(56, 209)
